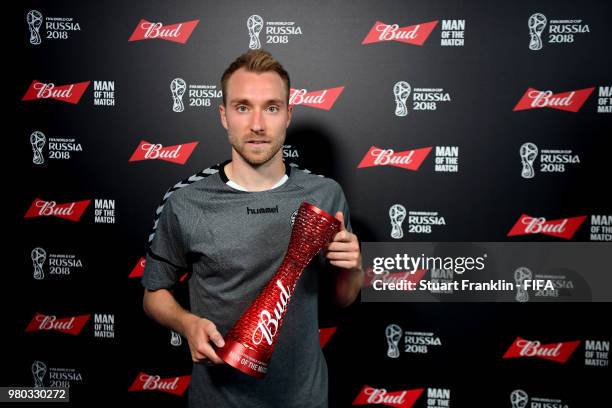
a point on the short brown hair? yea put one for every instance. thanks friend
(255, 61)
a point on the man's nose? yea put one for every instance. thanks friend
(257, 123)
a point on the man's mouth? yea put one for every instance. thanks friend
(257, 142)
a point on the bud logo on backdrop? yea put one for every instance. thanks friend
(54, 377)
(380, 396)
(179, 32)
(557, 352)
(446, 160)
(199, 95)
(57, 264)
(604, 100)
(452, 33)
(413, 34)
(70, 93)
(559, 31)
(54, 28)
(57, 148)
(601, 228)
(174, 154)
(560, 228)
(138, 270)
(425, 99)
(170, 385)
(570, 101)
(276, 32)
(407, 159)
(69, 211)
(322, 99)
(596, 353)
(104, 210)
(325, 335)
(551, 160)
(70, 325)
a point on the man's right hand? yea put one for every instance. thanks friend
(200, 333)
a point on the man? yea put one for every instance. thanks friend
(230, 225)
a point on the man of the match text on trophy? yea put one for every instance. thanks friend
(229, 226)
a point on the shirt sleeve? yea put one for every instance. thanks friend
(165, 258)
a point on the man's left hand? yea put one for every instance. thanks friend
(343, 251)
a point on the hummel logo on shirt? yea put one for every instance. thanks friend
(263, 210)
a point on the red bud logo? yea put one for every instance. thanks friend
(558, 352)
(180, 33)
(561, 228)
(171, 385)
(414, 34)
(138, 270)
(323, 99)
(70, 325)
(325, 335)
(71, 93)
(408, 159)
(174, 154)
(380, 396)
(570, 101)
(68, 211)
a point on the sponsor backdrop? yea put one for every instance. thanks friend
(443, 121)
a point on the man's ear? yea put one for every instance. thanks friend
(223, 117)
(289, 113)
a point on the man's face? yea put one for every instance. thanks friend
(256, 115)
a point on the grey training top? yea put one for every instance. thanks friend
(234, 241)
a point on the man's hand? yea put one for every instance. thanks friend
(200, 332)
(344, 251)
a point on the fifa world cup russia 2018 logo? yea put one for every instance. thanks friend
(528, 152)
(34, 19)
(39, 369)
(519, 399)
(37, 140)
(536, 23)
(254, 25)
(520, 276)
(401, 91)
(178, 87)
(393, 333)
(397, 214)
(38, 260)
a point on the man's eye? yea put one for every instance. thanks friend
(273, 108)
(241, 108)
